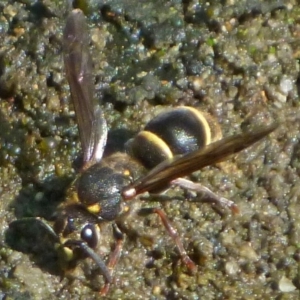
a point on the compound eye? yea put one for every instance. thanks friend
(90, 234)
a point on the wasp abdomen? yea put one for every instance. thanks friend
(149, 149)
(179, 131)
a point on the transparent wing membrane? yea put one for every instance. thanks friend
(78, 64)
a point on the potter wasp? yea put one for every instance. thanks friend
(172, 145)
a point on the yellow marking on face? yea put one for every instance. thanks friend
(68, 254)
(126, 209)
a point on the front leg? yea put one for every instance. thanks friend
(114, 257)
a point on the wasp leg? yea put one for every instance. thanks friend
(207, 194)
(114, 257)
(173, 234)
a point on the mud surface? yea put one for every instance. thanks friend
(239, 61)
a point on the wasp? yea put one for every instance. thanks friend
(173, 145)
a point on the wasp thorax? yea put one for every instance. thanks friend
(179, 131)
(99, 189)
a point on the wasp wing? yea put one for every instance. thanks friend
(78, 64)
(181, 166)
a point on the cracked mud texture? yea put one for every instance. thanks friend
(238, 60)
